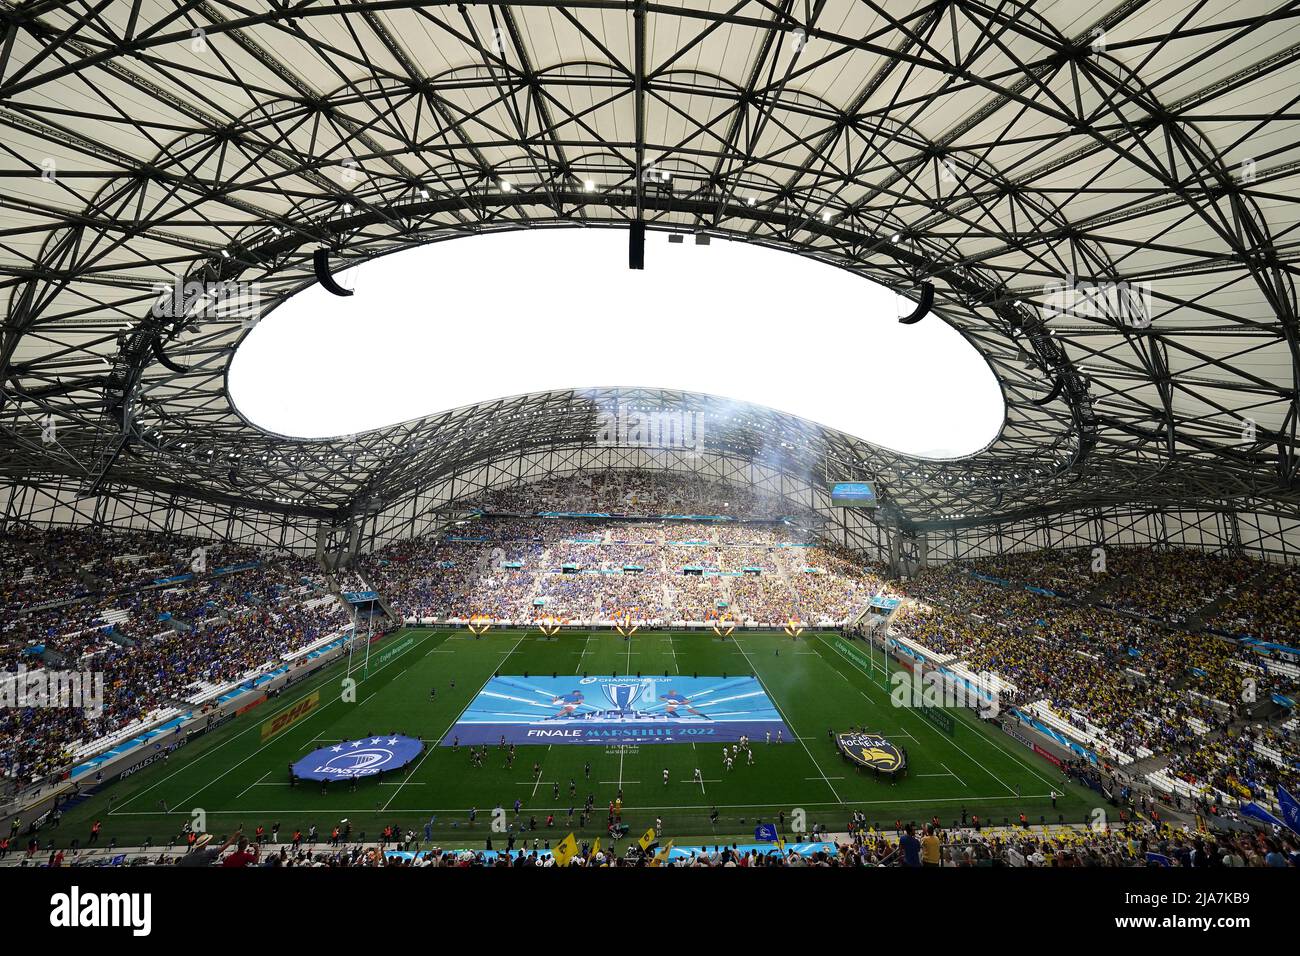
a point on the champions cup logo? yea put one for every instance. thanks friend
(479, 624)
(626, 628)
(621, 697)
(793, 628)
(549, 626)
(724, 626)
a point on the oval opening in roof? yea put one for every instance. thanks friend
(465, 321)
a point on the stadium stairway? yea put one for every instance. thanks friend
(335, 590)
(1196, 620)
(1139, 768)
(1091, 597)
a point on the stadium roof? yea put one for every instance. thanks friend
(1104, 198)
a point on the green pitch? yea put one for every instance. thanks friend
(237, 780)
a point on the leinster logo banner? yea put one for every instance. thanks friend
(619, 710)
(872, 751)
(357, 759)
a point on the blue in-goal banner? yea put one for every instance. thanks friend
(619, 710)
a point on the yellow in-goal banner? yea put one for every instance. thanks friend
(289, 717)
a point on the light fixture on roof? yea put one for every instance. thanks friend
(589, 186)
(799, 38)
(506, 186)
(424, 194)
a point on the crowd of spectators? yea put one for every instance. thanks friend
(638, 493)
(1132, 845)
(1235, 762)
(1266, 606)
(1133, 685)
(520, 569)
(1115, 651)
(42, 565)
(155, 646)
(1170, 584)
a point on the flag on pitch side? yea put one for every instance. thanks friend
(662, 856)
(1289, 807)
(595, 847)
(648, 839)
(565, 851)
(1256, 812)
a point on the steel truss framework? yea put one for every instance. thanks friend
(1263, 532)
(1106, 209)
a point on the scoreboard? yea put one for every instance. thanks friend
(854, 494)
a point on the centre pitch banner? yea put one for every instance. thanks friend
(619, 710)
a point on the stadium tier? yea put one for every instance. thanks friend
(589, 434)
(1139, 703)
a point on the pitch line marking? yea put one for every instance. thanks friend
(540, 764)
(720, 806)
(777, 704)
(958, 779)
(273, 739)
(996, 746)
(429, 748)
(703, 780)
(255, 783)
(585, 645)
(949, 740)
(314, 713)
